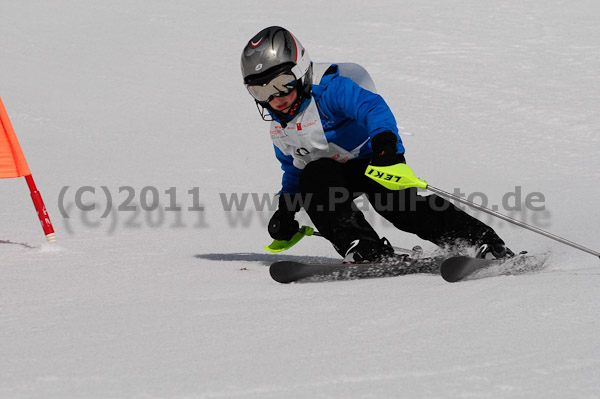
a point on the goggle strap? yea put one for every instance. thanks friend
(302, 66)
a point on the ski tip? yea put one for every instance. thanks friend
(452, 269)
(279, 272)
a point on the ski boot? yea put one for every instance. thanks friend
(497, 250)
(366, 250)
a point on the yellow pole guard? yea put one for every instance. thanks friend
(395, 177)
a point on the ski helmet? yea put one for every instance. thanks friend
(273, 64)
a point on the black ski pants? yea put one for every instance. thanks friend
(328, 189)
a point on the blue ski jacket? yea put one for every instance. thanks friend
(350, 116)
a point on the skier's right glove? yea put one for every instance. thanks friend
(283, 224)
(385, 148)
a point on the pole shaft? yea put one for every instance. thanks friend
(511, 220)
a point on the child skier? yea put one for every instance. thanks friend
(326, 129)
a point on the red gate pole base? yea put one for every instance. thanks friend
(41, 210)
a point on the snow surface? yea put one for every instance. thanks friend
(179, 304)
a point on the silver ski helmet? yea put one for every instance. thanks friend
(274, 63)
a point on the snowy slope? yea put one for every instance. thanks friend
(145, 98)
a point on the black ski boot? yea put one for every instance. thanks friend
(368, 250)
(496, 250)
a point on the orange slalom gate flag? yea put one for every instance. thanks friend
(13, 164)
(12, 160)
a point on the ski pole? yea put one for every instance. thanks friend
(401, 176)
(514, 221)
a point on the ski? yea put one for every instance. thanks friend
(453, 269)
(459, 268)
(291, 271)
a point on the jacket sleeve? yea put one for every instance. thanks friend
(343, 97)
(291, 174)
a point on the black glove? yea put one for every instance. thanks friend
(283, 225)
(385, 147)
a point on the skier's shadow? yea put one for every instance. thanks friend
(264, 259)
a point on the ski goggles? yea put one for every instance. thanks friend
(279, 86)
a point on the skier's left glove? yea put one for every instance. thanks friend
(283, 224)
(385, 148)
